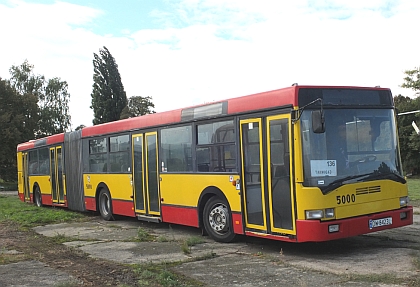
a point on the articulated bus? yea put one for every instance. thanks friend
(298, 164)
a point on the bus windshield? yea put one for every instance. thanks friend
(357, 145)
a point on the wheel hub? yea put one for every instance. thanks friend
(218, 218)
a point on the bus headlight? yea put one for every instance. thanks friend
(404, 201)
(314, 214)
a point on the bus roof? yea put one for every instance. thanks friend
(260, 101)
(255, 102)
(50, 140)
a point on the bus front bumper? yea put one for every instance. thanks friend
(314, 230)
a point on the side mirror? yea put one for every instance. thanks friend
(318, 119)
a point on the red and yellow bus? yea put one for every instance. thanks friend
(303, 163)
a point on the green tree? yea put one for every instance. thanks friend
(108, 95)
(54, 108)
(16, 118)
(138, 106)
(409, 140)
(52, 97)
(412, 79)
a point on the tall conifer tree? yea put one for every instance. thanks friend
(108, 95)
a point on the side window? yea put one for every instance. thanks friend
(119, 159)
(215, 149)
(176, 149)
(98, 155)
(33, 162)
(44, 161)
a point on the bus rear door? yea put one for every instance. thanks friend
(145, 176)
(266, 169)
(25, 176)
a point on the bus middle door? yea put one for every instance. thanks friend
(145, 176)
(56, 175)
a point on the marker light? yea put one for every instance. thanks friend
(314, 214)
(404, 201)
(329, 213)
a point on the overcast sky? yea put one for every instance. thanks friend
(183, 53)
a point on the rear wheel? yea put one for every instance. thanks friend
(37, 197)
(105, 204)
(218, 220)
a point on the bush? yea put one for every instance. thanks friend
(8, 186)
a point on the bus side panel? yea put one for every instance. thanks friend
(180, 215)
(180, 193)
(119, 186)
(43, 181)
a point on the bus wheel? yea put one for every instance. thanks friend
(105, 204)
(217, 220)
(37, 197)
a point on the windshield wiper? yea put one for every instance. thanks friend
(365, 177)
(390, 175)
(341, 181)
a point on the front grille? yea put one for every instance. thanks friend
(368, 190)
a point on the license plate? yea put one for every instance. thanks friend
(380, 222)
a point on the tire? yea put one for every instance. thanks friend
(217, 219)
(37, 197)
(105, 204)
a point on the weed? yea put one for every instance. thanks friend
(144, 236)
(194, 240)
(161, 274)
(185, 248)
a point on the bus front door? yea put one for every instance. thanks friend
(145, 174)
(56, 175)
(268, 192)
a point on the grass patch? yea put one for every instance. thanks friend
(162, 275)
(28, 215)
(414, 190)
(7, 258)
(376, 278)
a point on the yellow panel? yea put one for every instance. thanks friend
(185, 189)
(43, 182)
(119, 185)
(386, 199)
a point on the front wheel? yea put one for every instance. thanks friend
(105, 204)
(37, 197)
(218, 220)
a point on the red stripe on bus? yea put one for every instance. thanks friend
(90, 203)
(180, 215)
(123, 207)
(237, 222)
(314, 230)
(46, 199)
